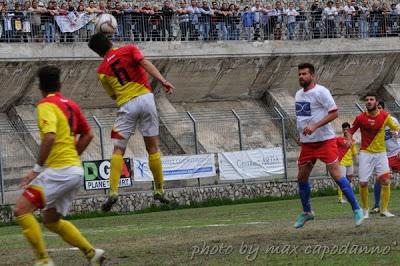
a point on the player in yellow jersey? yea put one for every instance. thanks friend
(56, 177)
(346, 154)
(123, 76)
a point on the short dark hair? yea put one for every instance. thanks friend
(345, 125)
(49, 78)
(307, 65)
(371, 94)
(382, 103)
(100, 43)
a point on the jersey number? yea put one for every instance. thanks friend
(120, 72)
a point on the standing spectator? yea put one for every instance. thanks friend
(49, 22)
(82, 32)
(330, 13)
(183, 17)
(127, 21)
(118, 13)
(349, 13)
(302, 21)
(267, 21)
(147, 12)
(291, 14)
(17, 24)
(26, 26)
(7, 15)
(247, 22)
(375, 20)
(194, 13)
(70, 16)
(364, 10)
(340, 18)
(91, 9)
(214, 21)
(35, 18)
(394, 20)
(234, 22)
(155, 24)
(316, 17)
(137, 23)
(222, 30)
(205, 20)
(257, 10)
(224, 21)
(168, 13)
(279, 13)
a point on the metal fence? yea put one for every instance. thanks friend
(181, 133)
(22, 26)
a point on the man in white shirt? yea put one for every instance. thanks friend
(315, 109)
(349, 12)
(330, 14)
(291, 14)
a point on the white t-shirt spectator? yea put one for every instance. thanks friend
(348, 11)
(291, 14)
(311, 107)
(257, 13)
(391, 142)
(330, 13)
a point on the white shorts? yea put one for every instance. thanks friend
(370, 162)
(59, 187)
(346, 170)
(140, 112)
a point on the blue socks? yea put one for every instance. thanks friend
(305, 192)
(377, 193)
(345, 186)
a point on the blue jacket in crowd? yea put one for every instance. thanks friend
(248, 19)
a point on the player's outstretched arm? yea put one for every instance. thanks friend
(153, 71)
(84, 141)
(309, 129)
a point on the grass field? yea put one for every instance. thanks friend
(254, 233)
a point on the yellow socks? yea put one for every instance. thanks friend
(115, 173)
(364, 197)
(72, 236)
(33, 233)
(340, 194)
(155, 166)
(385, 197)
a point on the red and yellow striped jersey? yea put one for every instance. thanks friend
(373, 130)
(63, 117)
(121, 74)
(346, 152)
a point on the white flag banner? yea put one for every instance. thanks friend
(251, 163)
(72, 23)
(177, 167)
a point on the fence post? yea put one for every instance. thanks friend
(101, 136)
(2, 179)
(283, 134)
(239, 129)
(359, 107)
(196, 146)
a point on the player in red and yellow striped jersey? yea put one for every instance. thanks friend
(346, 154)
(123, 76)
(53, 182)
(373, 157)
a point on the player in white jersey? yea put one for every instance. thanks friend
(315, 109)
(393, 153)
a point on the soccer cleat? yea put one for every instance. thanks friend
(375, 210)
(302, 219)
(387, 214)
(366, 213)
(98, 258)
(111, 200)
(342, 201)
(359, 217)
(161, 197)
(41, 263)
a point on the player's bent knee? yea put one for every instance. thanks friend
(363, 184)
(23, 206)
(385, 178)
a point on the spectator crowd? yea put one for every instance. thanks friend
(209, 21)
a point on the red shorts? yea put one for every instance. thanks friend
(326, 151)
(394, 163)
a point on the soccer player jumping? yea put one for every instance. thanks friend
(56, 177)
(123, 76)
(315, 109)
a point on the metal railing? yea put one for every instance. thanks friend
(182, 133)
(24, 26)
